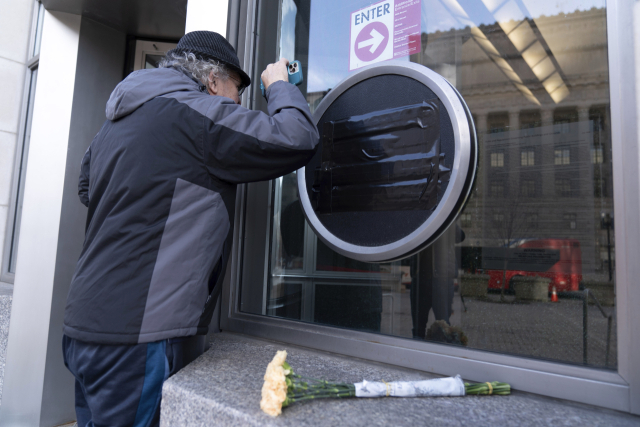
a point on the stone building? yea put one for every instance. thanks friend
(546, 147)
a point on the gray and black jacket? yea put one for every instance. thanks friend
(159, 180)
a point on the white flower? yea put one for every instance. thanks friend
(274, 389)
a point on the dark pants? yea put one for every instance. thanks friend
(121, 385)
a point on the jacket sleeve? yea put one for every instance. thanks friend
(243, 145)
(83, 181)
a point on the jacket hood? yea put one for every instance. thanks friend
(144, 85)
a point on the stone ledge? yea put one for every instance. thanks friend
(222, 387)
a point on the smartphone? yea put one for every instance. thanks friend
(295, 75)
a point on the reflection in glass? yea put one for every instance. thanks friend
(38, 35)
(152, 61)
(535, 76)
(15, 232)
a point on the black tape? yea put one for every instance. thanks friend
(386, 160)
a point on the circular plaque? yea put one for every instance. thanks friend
(395, 164)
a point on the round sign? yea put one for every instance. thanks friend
(371, 41)
(396, 162)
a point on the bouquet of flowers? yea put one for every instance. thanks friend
(282, 387)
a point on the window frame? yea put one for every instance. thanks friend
(22, 148)
(619, 390)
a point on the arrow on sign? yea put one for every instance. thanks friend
(374, 41)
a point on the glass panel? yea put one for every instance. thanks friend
(38, 35)
(15, 234)
(538, 226)
(152, 61)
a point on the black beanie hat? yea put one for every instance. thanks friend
(210, 45)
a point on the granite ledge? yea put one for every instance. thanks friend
(222, 387)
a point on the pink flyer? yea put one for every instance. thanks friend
(406, 34)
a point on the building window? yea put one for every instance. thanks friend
(597, 117)
(529, 129)
(531, 221)
(497, 159)
(498, 123)
(497, 127)
(599, 189)
(528, 188)
(465, 220)
(529, 123)
(498, 218)
(562, 156)
(563, 126)
(596, 155)
(497, 189)
(563, 120)
(570, 220)
(12, 234)
(563, 187)
(527, 157)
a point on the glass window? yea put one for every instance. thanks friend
(562, 156)
(465, 219)
(534, 74)
(529, 121)
(596, 155)
(562, 126)
(497, 188)
(599, 187)
(528, 188)
(527, 157)
(497, 160)
(563, 187)
(570, 220)
(38, 32)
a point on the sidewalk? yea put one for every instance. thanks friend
(5, 314)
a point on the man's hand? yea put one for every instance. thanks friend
(275, 72)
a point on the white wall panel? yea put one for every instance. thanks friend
(7, 155)
(15, 29)
(11, 90)
(30, 315)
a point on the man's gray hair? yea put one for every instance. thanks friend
(200, 69)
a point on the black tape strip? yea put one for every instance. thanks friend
(382, 161)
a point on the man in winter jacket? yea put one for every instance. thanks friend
(159, 181)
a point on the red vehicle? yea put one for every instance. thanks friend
(558, 259)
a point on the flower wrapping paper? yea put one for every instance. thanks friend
(452, 386)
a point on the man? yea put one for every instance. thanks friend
(159, 180)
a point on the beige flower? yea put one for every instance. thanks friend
(274, 389)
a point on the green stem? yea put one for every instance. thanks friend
(294, 399)
(497, 388)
